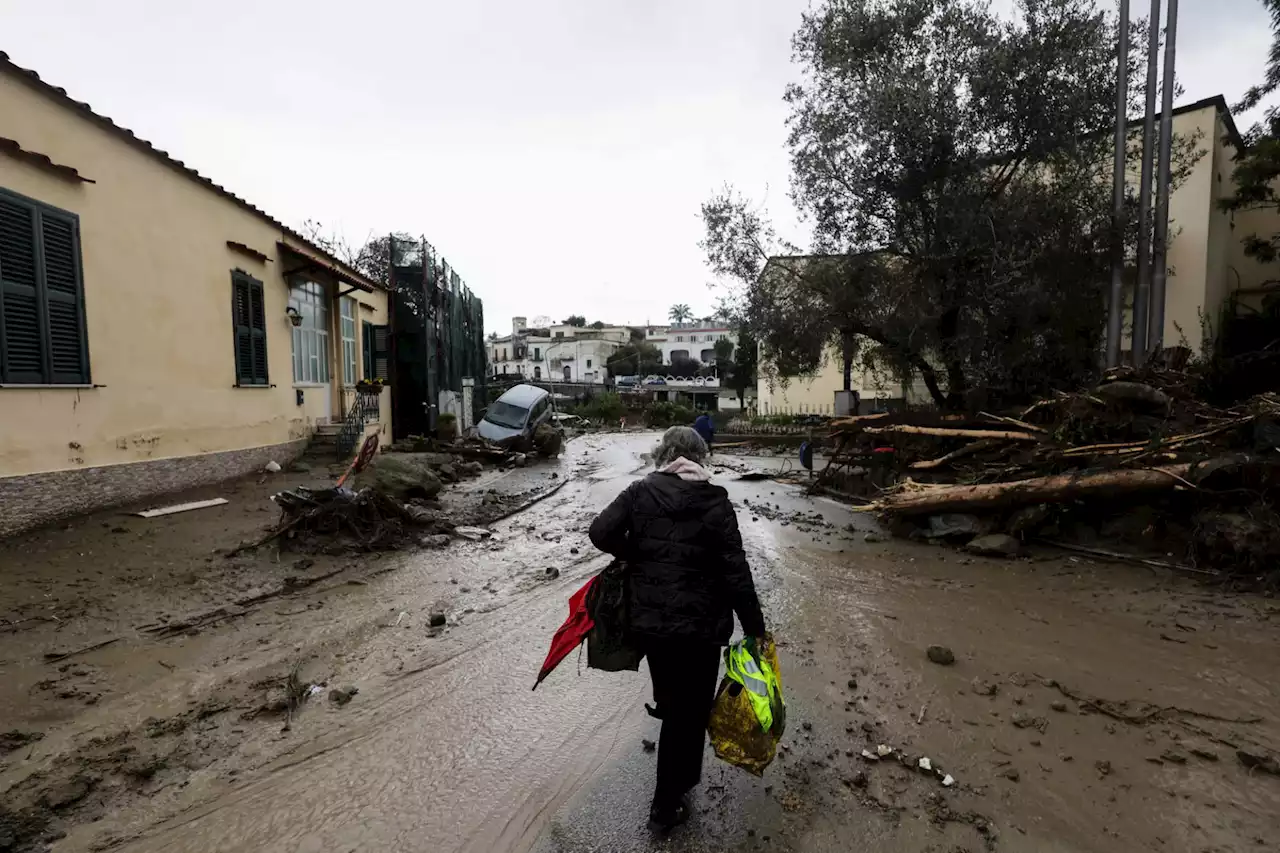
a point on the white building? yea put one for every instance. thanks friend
(691, 341)
(557, 353)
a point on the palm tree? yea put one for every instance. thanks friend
(680, 313)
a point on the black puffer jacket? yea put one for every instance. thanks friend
(689, 574)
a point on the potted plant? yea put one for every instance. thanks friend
(370, 386)
(447, 427)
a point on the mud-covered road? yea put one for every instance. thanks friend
(1090, 707)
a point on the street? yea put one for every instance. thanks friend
(1045, 719)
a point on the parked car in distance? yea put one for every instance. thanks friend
(518, 412)
(627, 380)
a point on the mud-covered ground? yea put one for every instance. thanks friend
(1089, 707)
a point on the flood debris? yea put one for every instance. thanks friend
(183, 507)
(1153, 458)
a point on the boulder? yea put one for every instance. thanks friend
(955, 525)
(1134, 395)
(994, 545)
(1028, 519)
(547, 440)
(469, 469)
(400, 475)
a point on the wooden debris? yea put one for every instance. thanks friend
(1037, 490)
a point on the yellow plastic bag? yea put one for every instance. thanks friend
(735, 729)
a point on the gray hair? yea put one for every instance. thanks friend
(679, 441)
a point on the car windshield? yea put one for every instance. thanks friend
(506, 415)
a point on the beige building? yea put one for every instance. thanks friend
(1206, 264)
(156, 331)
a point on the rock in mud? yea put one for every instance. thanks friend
(1205, 754)
(1023, 720)
(1134, 395)
(401, 475)
(1103, 767)
(1059, 706)
(955, 525)
(341, 696)
(472, 533)
(873, 538)
(551, 573)
(447, 472)
(469, 469)
(436, 540)
(11, 740)
(982, 687)
(67, 793)
(1258, 762)
(994, 545)
(436, 620)
(941, 655)
(1011, 773)
(1028, 519)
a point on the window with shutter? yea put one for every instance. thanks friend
(42, 330)
(249, 322)
(381, 352)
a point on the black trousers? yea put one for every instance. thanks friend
(684, 685)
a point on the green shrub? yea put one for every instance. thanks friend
(663, 415)
(605, 407)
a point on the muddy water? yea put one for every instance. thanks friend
(451, 751)
(446, 749)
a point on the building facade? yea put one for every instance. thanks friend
(157, 332)
(1206, 266)
(557, 353)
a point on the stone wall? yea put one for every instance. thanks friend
(32, 500)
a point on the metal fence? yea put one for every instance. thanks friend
(437, 338)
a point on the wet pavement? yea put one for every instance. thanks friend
(446, 749)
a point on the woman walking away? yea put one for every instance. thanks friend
(688, 574)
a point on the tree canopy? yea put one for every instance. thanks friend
(955, 169)
(1258, 167)
(576, 320)
(680, 313)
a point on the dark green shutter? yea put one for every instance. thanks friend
(258, 333)
(382, 352)
(249, 321)
(42, 328)
(68, 362)
(21, 349)
(366, 349)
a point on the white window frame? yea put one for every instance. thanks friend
(347, 312)
(311, 337)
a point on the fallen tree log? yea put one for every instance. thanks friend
(1037, 490)
(967, 450)
(952, 432)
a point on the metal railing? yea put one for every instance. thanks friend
(365, 408)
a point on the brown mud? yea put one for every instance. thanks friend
(1088, 706)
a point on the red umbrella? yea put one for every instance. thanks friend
(571, 634)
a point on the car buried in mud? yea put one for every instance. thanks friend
(514, 416)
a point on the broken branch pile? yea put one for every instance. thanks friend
(340, 519)
(1188, 476)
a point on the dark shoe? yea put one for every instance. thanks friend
(665, 819)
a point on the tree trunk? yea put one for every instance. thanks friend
(989, 497)
(846, 355)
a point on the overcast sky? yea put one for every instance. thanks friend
(555, 152)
